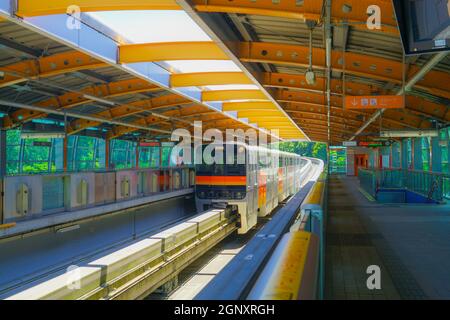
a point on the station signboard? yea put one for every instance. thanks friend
(42, 144)
(374, 102)
(374, 144)
(167, 144)
(350, 143)
(149, 144)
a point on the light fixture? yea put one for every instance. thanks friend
(309, 75)
(409, 133)
(346, 8)
(42, 135)
(88, 96)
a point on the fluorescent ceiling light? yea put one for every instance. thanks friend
(145, 26)
(42, 135)
(232, 87)
(88, 96)
(409, 133)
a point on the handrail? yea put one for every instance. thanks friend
(434, 185)
(99, 170)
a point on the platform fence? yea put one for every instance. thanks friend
(434, 186)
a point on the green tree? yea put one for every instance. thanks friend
(307, 149)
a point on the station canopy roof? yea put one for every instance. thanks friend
(142, 68)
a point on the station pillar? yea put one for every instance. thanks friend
(417, 154)
(2, 153)
(65, 153)
(137, 154)
(436, 155)
(107, 151)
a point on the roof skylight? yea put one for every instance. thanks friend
(152, 26)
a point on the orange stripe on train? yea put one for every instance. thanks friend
(221, 180)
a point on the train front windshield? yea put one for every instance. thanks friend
(223, 181)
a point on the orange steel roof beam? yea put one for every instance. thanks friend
(414, 104)
(30, 8)
(435, 82)
(47, 66)
(229, 95)
(307, 10)
(130, 109)
(147, 52)
(73, 99)
(249, 105)
(298, 82)
(199, 79)
(150, 121)
(309, 99)
(418, 124)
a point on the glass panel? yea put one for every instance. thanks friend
(409, 153)
(396, 155)
(30, 155)
(123, 154)
(426, 142)
(12, 152)
(338, 160)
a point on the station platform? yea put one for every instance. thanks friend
(408, 242)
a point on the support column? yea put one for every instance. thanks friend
(137, 154)
(2, 153)
(2, 168)
(417, 154)
(447, 170)
(107, 146)
(436, 155)
(65, 153)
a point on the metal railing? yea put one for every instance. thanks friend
(435, 186)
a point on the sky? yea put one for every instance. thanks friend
(165, 26)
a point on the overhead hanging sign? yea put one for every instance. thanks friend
(374, 102)
(350, 143)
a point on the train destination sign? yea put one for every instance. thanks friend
(374, 102)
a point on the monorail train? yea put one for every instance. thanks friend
(266, 178)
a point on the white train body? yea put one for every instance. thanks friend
(256, 187)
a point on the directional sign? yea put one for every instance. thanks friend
(374, 102)
(350, 143)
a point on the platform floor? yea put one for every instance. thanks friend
(410, 244)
